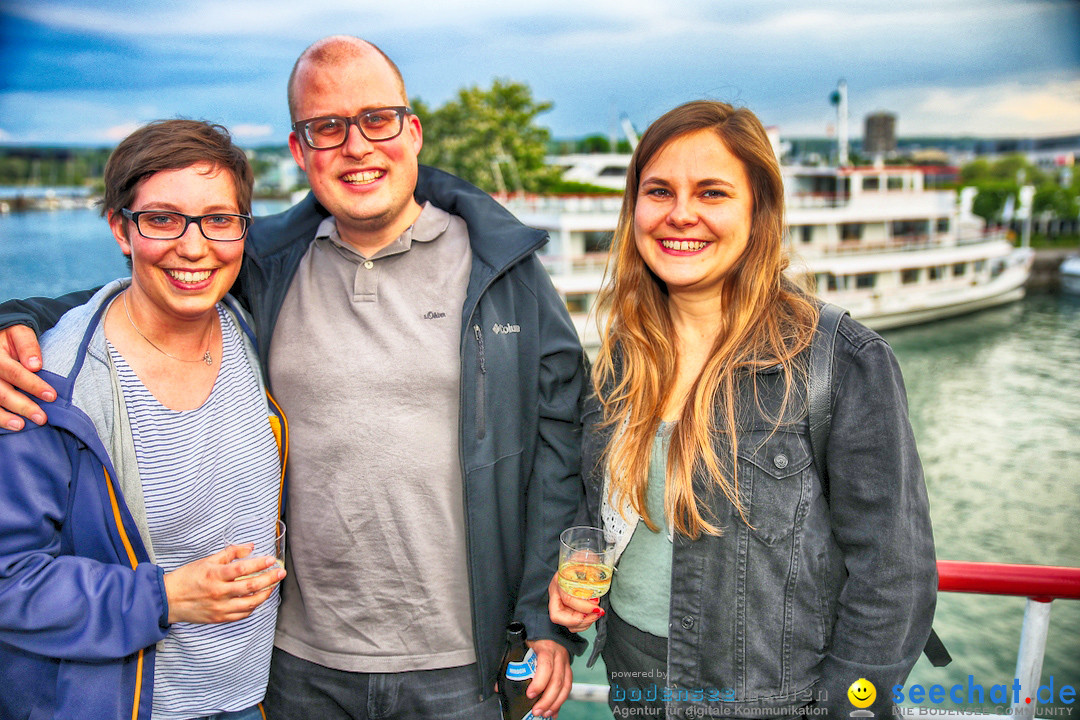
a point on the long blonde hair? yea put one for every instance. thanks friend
(766, 321)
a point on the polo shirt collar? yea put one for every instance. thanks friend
(430, 224)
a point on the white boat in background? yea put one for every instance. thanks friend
(1070, 275)
(893, 252)
(874, 240)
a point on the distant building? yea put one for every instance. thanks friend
(879, 136)
(1048, 152)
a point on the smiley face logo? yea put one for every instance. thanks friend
(862, 693)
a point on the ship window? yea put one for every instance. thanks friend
(851, 231)
(613, 171)
(943, 225)
(959, 269)
(577, 303)
(895, 182)
(937, 272)
(910, 229)
(832, 281)
(871, 182)
(866, 280)
(597, 240)
(909, 276)
(806, 233)
(980, 265)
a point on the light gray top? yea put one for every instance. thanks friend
(365, 362)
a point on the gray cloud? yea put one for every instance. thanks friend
(957, 67)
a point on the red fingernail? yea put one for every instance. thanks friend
(599, 611)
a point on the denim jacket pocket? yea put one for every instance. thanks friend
(773, 481)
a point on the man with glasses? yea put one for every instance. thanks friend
(435, 452)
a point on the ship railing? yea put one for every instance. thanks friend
(1040, 584)
(803, 200)
(910, 243)
(561, 203)
(585, 264)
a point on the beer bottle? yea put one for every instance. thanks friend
(515, 673)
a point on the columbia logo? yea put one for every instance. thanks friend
(433, 315)
(505, 329)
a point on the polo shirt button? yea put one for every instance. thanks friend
(688, 622)
(780, 461)
(368, 264)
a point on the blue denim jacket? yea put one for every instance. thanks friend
(825, 586)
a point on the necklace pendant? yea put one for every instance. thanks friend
(207, 358)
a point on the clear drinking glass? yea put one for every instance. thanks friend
(585, 562)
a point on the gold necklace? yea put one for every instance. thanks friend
(206, 357)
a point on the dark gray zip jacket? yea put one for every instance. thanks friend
(522, 379)
(826, 585)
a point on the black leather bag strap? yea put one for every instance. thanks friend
(819, 399)
(819, 390)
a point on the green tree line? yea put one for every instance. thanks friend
(1057, 195)
(491, 137)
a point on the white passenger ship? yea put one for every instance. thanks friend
(876, 240)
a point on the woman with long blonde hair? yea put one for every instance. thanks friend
(747, 577)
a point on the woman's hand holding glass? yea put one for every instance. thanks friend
(586, 560)
(575, 614)
(209, 591)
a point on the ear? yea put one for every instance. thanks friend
(296, 147)
(119, 231)
(416, 132)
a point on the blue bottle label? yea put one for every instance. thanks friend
(522, 670)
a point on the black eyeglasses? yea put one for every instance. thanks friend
(167, 225)
(331, 131)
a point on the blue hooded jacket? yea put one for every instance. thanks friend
(82, 606)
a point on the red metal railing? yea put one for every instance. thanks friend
(1042, 583)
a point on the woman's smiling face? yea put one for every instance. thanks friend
(693, 215)
(181, 279)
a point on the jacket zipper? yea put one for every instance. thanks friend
(481, 415)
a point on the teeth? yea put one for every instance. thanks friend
(189, 277)
(684, 245)
(364, 177)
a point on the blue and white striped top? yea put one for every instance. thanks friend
(202, 470)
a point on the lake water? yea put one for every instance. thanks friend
(995, 403)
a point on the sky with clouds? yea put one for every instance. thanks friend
(90, 71)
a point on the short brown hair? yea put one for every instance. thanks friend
(337, 50)
(173, 145)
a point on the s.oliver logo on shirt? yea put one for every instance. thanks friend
(505, 329)
(433, 315)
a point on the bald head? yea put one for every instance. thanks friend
(336, 51)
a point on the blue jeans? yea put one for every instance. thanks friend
(300, 690)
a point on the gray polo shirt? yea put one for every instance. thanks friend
(365, 361)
